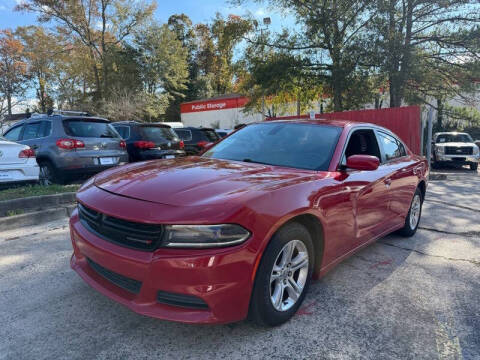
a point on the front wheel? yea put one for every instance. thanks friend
(474, 167)
(413, 217)
(283, 276)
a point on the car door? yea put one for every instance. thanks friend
(402, 177)
(367, 192)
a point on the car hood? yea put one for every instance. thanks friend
(194, 181)
(457, 144)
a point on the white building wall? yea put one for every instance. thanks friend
(223, 119)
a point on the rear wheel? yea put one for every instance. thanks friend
(283, 276)
(413, 217)
(49, 175)
(474, 167)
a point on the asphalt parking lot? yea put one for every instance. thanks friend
(399, 298)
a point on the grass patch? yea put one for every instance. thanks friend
(35, 190)
(14, 212)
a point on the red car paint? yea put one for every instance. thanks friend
(354, 208)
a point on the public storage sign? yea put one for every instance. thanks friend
(211, 105)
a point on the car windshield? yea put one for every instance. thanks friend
(157, 133)
(448, 138)
(302, 146)
(89, 128)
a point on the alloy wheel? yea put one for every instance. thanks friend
(289, 275)
(415, 211)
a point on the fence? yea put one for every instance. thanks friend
(403, 121)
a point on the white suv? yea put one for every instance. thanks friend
(454, 148)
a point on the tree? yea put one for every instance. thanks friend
(163, 62)
(41, 50)
(13, 70)
(439, 35)
(98, 24)
(331, 38)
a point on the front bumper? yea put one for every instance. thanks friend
(221, 278)
(458, 159)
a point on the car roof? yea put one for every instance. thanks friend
(42, 117)
(195, 128)
(132, 122)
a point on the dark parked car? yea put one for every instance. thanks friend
(196, 139)
(69, 144)
(149, 141)
(242, 229)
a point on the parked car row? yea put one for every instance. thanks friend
(69, 144)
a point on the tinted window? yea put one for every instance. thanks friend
(47, 128)
(391, 147)
(89, 128)
(32, 131)
(157, 133)
(211, 135)
(124, 131)
(303, 146)
(446, 138)
(185, 135)
(13, 134)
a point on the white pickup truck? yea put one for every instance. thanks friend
(454, 148)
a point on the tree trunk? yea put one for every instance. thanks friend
(9, 102)
(440, 108)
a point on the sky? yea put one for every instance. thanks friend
(197, 10)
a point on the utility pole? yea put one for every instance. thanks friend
(266, 22)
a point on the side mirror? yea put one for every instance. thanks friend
(363, 162)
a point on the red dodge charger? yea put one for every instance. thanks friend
(241, 230)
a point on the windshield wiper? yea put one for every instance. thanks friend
(255, 162)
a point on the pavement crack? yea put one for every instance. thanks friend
(452, 205)
(473, 262)
(466, 234)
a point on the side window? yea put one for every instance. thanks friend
(13, 134)
(124, 131)
(46, 128)
(362, 142)
(32, 131)
(391, 147)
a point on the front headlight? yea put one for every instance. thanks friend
(440, 149)
(476, 150)
(204, 236)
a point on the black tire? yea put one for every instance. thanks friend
(474, 167)
(407, 229)
(262, 310)
(49, 174)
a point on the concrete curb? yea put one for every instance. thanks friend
(35, 203)
(35, 218)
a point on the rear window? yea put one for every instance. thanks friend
(211, 135)
(185, 135)
(89, 128)
(157, 133)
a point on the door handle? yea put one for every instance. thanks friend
(387, 182)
